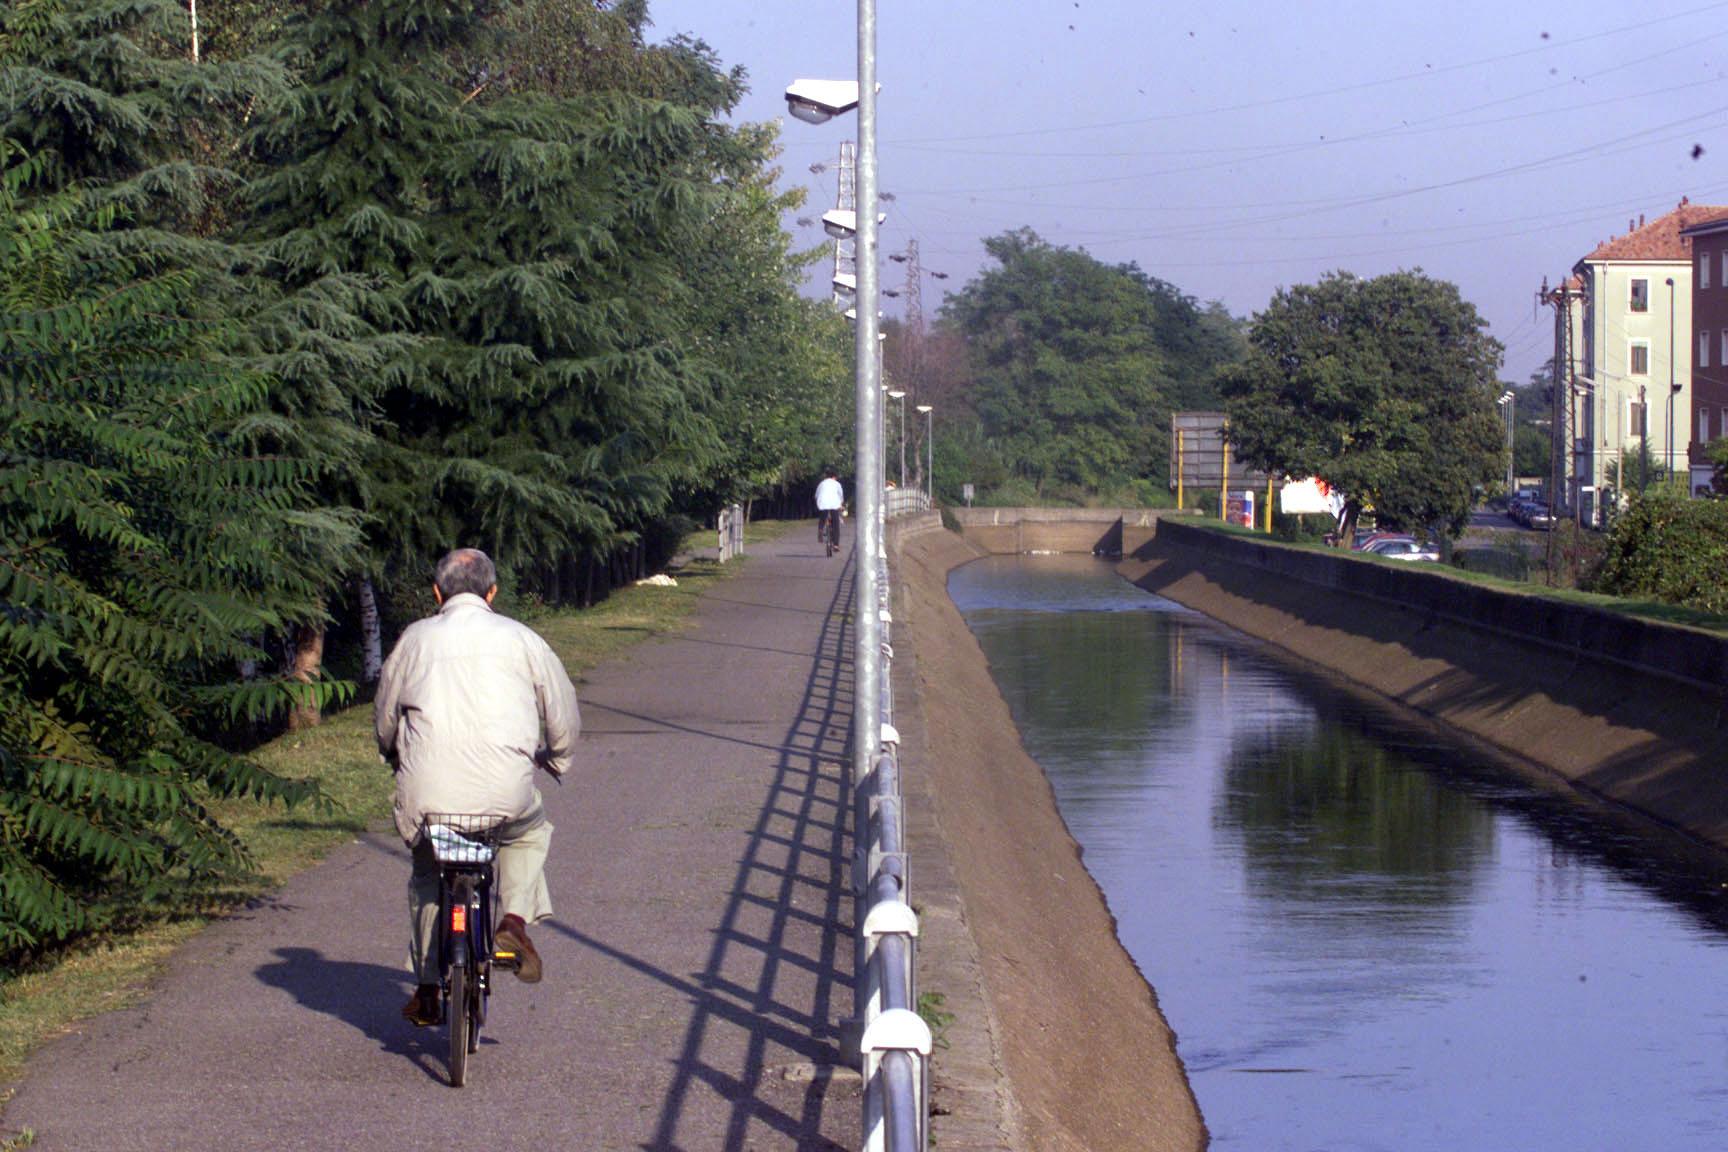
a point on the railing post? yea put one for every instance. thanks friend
(896, 1057)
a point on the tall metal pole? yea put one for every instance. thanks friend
(867, 650)
(1672, 386)
(901, 400)
(1511, 441)
(930, 453)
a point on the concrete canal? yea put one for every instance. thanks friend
(1363, 938)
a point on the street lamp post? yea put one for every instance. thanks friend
(814, 101)
(1643, 441)
(929, 454)
(899, 396)
(1508, 403)
(1673, 384)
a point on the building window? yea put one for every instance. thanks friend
(1635, 418)
(1702, 423)
(1640, 296)
(1725, 267)
(1703, 349)
(1723, 359)
(1703, 269)
(1638, 357)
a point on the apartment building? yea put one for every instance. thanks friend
(1635, 360)
(1707, 389)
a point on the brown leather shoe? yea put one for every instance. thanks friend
(423, 1009)
(512, 949)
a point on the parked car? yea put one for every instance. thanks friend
(1404, 548)
(1367, 540)
(1537, 516)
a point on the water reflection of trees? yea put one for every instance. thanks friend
(1327, 816)
(1101, 679)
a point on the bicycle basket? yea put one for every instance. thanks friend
(462, 838)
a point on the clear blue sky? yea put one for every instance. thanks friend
(1246, 146)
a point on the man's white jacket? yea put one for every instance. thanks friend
(462, 704)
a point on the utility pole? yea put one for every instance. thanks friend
(846, 247)
(1562, 414)
(911, 339)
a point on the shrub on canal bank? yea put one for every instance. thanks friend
(1669, 549)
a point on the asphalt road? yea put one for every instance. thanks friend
(696, 967)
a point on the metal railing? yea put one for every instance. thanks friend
(730, 532)
(896, 1042)
(898, 502)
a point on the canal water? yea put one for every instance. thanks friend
(1363, 937)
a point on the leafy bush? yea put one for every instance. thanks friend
(1671, 550)
(1504, 560)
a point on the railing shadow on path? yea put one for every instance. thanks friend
(799, 844)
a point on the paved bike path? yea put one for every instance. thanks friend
(696, 966)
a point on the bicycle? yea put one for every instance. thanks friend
(828, 529)
(466, 847)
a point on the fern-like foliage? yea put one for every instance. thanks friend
(140, 549)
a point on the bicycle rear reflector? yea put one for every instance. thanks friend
(459, 918)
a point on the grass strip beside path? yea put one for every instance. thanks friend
(111, 972)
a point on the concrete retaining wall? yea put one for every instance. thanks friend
(1696, 658)
(1099, 531)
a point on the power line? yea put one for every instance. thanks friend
(1359, 86)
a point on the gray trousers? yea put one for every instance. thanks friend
(520, 885)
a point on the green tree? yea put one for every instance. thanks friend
(142, 549)
(1385, 388)
(1532, 449)
(146, 545)
(1077, 365)
(778, 365)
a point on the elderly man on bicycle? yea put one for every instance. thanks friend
(468, 704)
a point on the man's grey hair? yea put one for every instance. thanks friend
(465, 570)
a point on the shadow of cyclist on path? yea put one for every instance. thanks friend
(364, 996)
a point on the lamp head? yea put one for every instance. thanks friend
(842, 223)
(819, 101)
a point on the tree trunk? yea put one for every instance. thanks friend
(308, 660)
(371, 633)
(1347, 526)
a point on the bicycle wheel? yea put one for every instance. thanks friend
(456, 1018)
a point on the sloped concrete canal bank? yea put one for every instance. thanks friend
(1629, 711)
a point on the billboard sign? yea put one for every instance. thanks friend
(1197, 453)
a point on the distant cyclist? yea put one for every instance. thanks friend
(465, 702)
(830, 498)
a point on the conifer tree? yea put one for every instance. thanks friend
(140, 547)
(144, 545)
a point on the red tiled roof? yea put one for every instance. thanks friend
(1660, 239)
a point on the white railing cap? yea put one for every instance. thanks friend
(897, 1030)
(891, 917)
